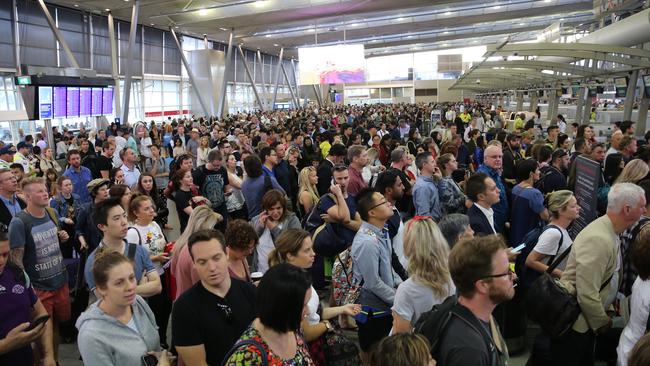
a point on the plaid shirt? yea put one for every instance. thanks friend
(628, 272)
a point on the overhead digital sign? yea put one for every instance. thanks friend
(332, 64)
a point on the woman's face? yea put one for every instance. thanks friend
(305, 256)
(147, 183)
(572, 209)
(187, 179)
(313, 177)
(48, 153)
(307, 142)
(275, 212)
(452, 165)
(120, 287)
(154, 150)
(231, 163)
(239, 254)
(420, 149)
(146, 212)
(119, 176)
(376, 139)
(66, 187)
(468, 233)
(126, 198)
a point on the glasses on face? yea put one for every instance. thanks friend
(384, 202)
(510, 274)
(495, 157)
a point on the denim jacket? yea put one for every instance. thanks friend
(60, 205)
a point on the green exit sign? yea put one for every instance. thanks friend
(23, 80)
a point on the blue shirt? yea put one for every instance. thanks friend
(500, 208)
(371, 260)
(426, 199)
(141, 262)
(12, 205)
(79, 181)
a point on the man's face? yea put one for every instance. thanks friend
(75, 161)
(8, 182)
(494, 157)
(631, 148)
(362, 160)
(502, 287)
(514, 144)
(598, 154)
(382, 209)
(341, 178)
(129, 156)
(4, 254)
(110, 150)
(616, 140)
(18, 173)
(552, 134)
(397, 190)
(37, 195)
(272, 158)
(187, 164)
(492, 192)
(23, 150)
(210, 262)
(102, 134)
(589, 133)
(635, 212)
(280, 150)
(116, 223)
(564, 162)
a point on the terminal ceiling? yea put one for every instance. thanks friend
(383, 26)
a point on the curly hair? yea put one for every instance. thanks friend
(239, 235)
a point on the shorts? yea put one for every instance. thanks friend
(57, 302)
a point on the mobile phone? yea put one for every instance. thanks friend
(333, 182)
(519, 248)
(37, 322)
(149, 360)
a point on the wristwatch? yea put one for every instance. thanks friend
(328, 325)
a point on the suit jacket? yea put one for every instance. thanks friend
(478, 222)
(591, 263)
(324, 173)
(5, 215)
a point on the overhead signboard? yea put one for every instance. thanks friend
(646, 83)
(338, 64)
(621, 87)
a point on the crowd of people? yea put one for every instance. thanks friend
(300, 228)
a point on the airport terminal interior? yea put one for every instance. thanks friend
(270, 74)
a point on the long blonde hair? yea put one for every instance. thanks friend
(201, 218)
(305, 185)
(427, 252)
(633, 172)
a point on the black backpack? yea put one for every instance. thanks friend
(433, 323)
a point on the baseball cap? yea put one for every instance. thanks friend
(7, 149)
(23, 144)
(94, 184)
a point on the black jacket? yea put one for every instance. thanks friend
(5, 214)
(478, 222)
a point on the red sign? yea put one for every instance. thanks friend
(166, 113)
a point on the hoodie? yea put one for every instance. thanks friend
(103, 340)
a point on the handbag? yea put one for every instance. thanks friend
(339, 349)
(550, 305)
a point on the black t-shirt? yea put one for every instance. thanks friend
(182, 199)
(403, 204)
(104, 163)
(201, 317)
(212, 184)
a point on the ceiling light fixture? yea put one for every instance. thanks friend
(496, 7)
(203, 12)
(107, 9)
(448, 13)
(151, 24)
(261, 3)
(355, 25)
(268, 36)
(276, 45)
(445, 32)
(400, 19)
(76, 5)
(223, 29)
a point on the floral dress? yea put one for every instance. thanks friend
(249, 355)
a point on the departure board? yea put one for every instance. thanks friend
(60, 102)
(85, 101)
(107, 101)
(96, 105)
(72, 102)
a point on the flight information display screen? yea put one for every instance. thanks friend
(96, 105)
(60, 102)
(85, 101)
(74, 101)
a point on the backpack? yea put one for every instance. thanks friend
(526, 275)
(344, 290)
(433, 323)
(540, 184)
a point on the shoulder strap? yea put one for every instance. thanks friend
(138, 232)
(247, 342)
(52, 215)
(131, 251)
(559, 245)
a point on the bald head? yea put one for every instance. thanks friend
(494, 157)
(616, 138)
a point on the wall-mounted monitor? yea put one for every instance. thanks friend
(60, 104)
(85, 101)
(332, 64)
(45, 102)
(72, 102)
(96, 105)
(107, 101)
(621, 87)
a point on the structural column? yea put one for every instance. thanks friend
(586, 109)
(265, 90)
(277, 77)
(520, 101)
(129, 62)
(293, 96)
(534, 99)
(250, 77)
(224, 86)
(114, 69)
(556, 102)
(580, 102)
(190, 74)
(59, 37)
(630, 95)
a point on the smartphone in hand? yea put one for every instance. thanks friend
(37, 322)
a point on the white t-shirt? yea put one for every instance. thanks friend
(635, 328)
(145, 147)
(312, 306)
(548, 242)
(151, 237)
(413, 298)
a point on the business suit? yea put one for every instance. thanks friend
(591, 264)
(5, 214)
(478, 222)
